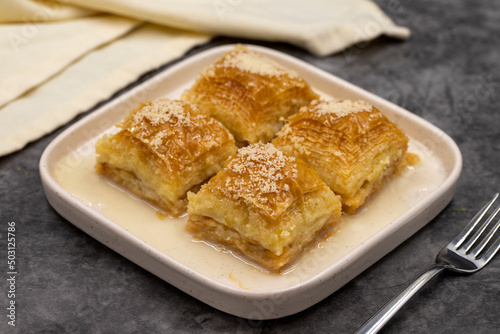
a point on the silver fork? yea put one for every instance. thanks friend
(466, 254)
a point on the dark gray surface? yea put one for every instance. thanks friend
(448, 72)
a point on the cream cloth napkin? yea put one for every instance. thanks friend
(58, 59)
(320, 26)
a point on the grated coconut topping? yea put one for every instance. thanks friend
(264, 166)
(163, 111)
(251, 62)
(166, 111)
(339, 108)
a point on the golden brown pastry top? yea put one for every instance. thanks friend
(257, 79)
(340, 115)
(265, 179)
(249, 93)
(341, 139)
(247, 61)
(175, 131)
(341, 128)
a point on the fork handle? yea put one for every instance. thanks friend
(377, 321)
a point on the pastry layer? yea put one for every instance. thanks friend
(250, 94)
(164, 149)
(353, 146)
(264, 204)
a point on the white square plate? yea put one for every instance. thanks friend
(159, 244)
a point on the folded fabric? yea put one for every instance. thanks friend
(33, 11)
(35, 56)
(91, 79)
(65, 56)
(321, 26)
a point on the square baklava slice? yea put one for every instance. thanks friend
(264, 205)
(250, 94)
(352, 145)
(164, 149)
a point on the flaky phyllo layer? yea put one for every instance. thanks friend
(163, 149)
(264, 204)
(250, 94)
(353, 146)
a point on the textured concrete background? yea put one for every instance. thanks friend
(448, 72)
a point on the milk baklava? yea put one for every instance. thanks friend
(164, 149)
(250, 94)
(352, 145)
(265, 205)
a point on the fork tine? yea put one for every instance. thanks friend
(492, 250)
(460, 238)
(490, 235)
(480, 231)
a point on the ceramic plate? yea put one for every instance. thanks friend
(159, 244)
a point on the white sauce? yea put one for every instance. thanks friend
(168, 235)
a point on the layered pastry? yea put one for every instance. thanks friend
(265, 205)
(164, 149)
(352, 145)
(250, 94)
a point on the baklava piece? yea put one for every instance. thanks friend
(250, 94)
(164, 149)
(264, 205)
(353, 146)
